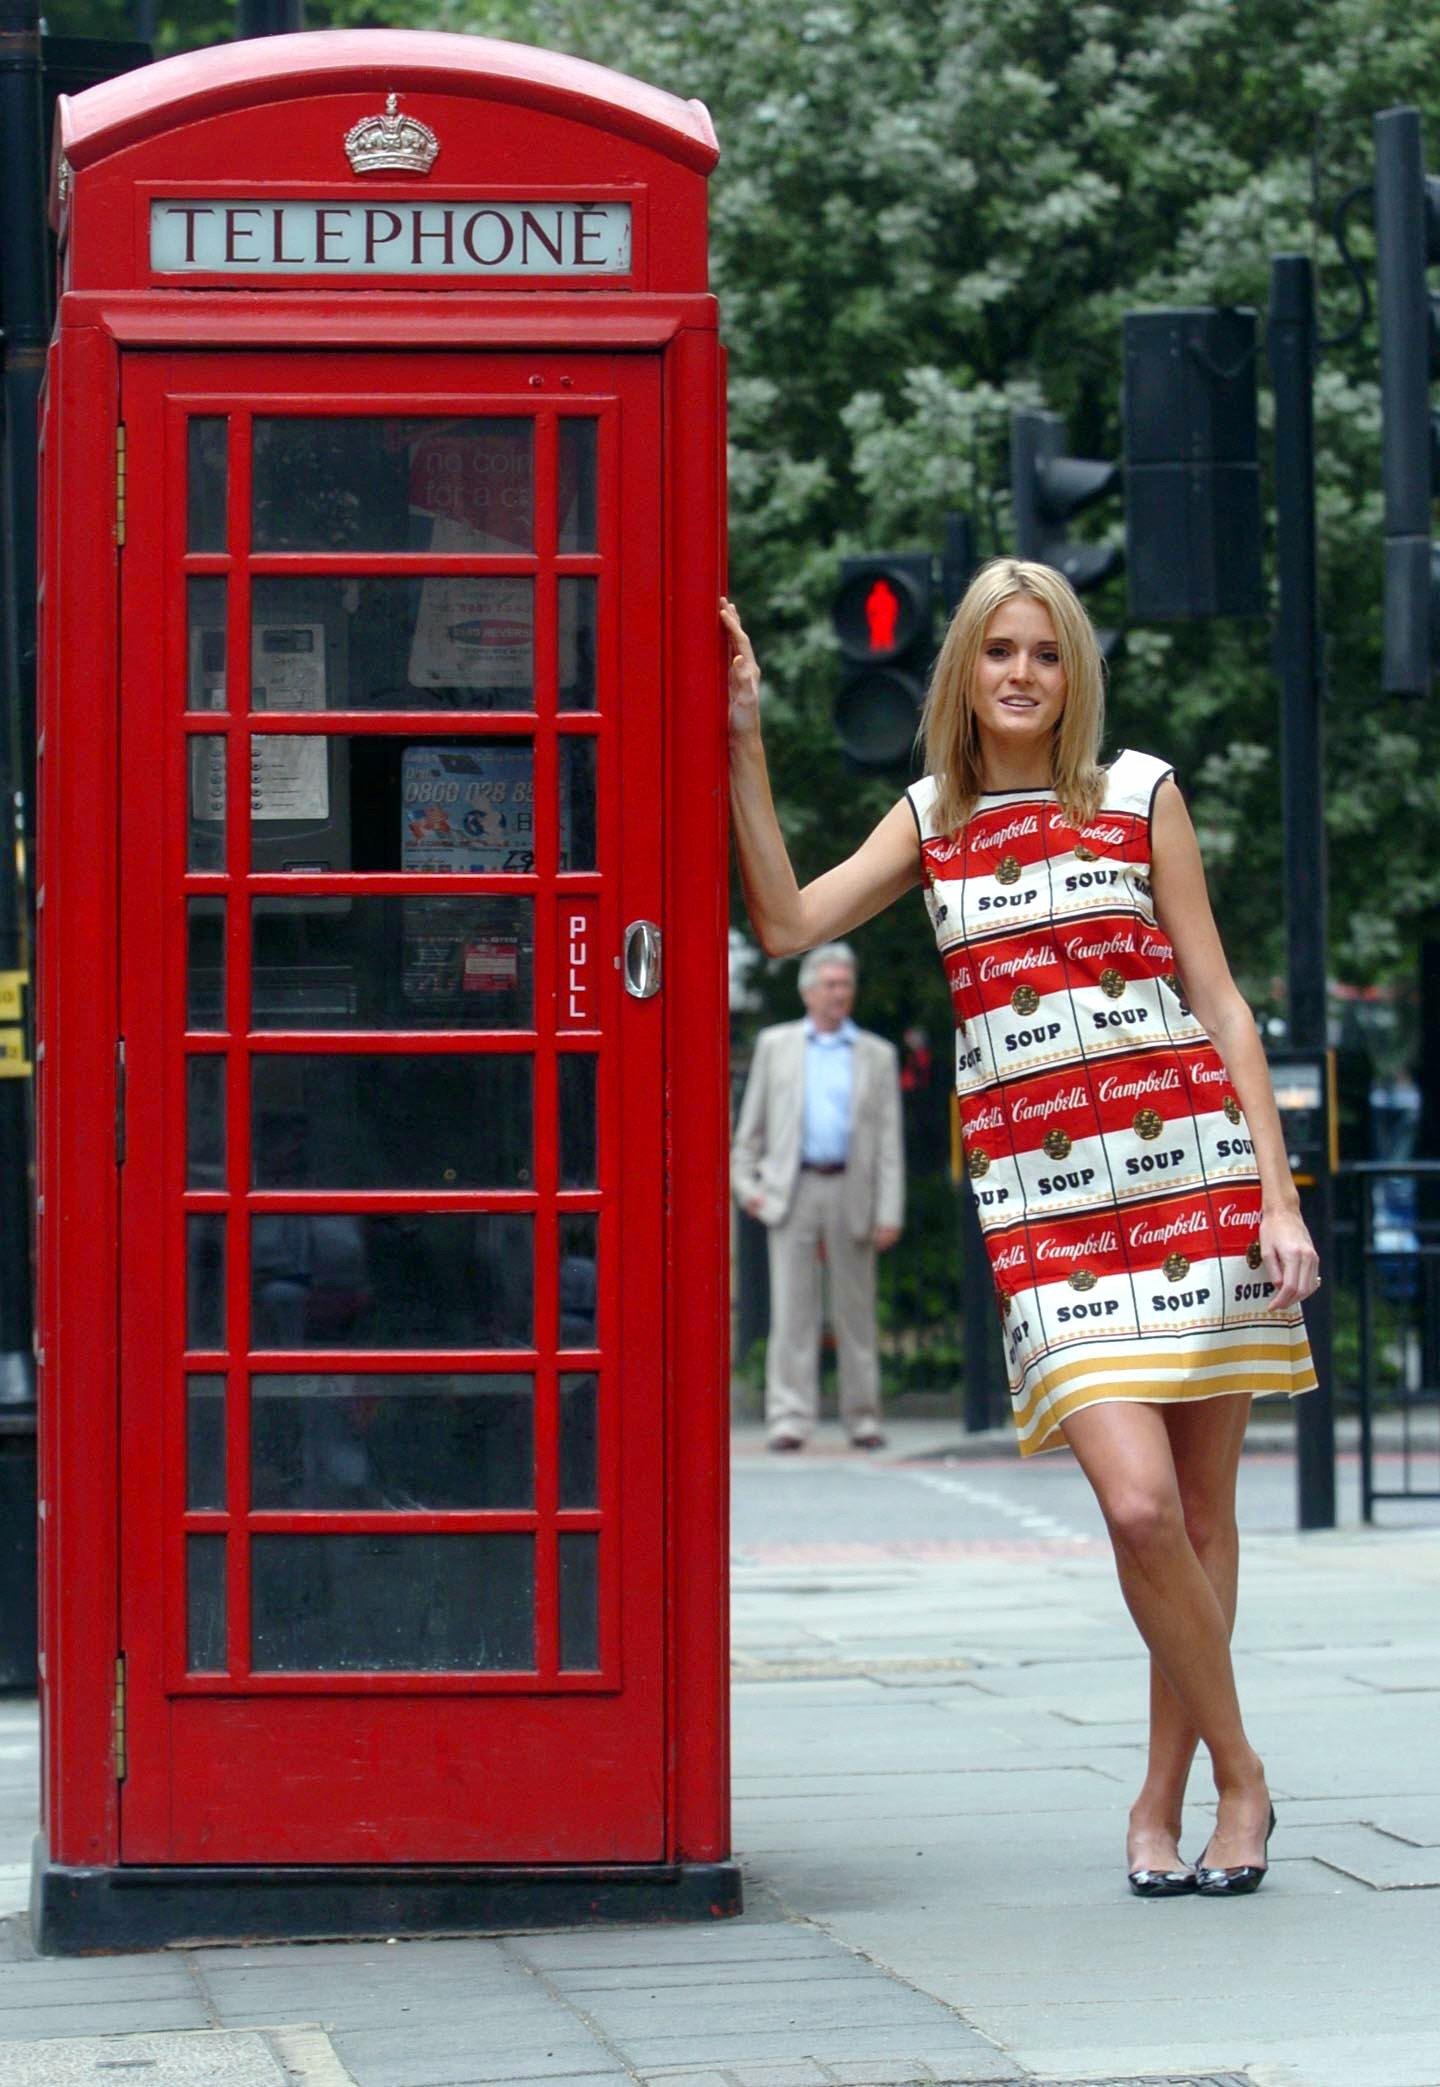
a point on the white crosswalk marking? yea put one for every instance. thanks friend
(973, 1495)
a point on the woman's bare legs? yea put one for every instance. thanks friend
(1206, 1441)
(1152, 1486)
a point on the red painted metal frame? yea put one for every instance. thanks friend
(283, 105)
(170, 1787)
(78, 913)
(277, 107)
(246, 78)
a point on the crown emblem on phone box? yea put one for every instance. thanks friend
(391, 144)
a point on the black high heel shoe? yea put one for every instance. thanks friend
(1162, 1884)
(1233, 1883)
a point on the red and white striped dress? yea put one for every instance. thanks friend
(1109, 1158)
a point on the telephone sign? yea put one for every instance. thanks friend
(422, 239)
(384, 1352)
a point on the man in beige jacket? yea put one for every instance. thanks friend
(818, 1159)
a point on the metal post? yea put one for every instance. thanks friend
(752, 1284)
(983, 1362)
(1365, 1191)
(1407, 240)
(1292, 348)
(24, 297)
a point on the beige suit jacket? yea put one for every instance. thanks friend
(765, 1157)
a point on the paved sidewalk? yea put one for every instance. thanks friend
(933, 1754)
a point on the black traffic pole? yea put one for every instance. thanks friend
(983, 1362)
(25, 304)
(1292, 346)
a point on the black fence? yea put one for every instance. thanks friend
(1387, 1320)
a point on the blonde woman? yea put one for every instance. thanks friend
(1121, 1137)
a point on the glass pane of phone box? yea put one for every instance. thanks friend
(342, 802)
(443, 641)
(401, 1120)
(438, 1279)
(412, 1602)
(382, 1441)
(393, 963)
(343, 482)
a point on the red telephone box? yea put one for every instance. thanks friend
(383, 1098)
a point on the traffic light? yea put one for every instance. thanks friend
(1192, 473)
(1407, 241)
(1047, 489)
(884, 620)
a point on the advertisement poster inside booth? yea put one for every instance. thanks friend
(472, 482)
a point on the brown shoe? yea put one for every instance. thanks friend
(868, 1438)
(785, 1442)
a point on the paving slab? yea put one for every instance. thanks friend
(456, 2054)
(1415, 1819)
(977, 2062)
(866, 2073)
(208, 2058)
(1154, 2080)
(102, 2016)
(363, 1995)
(1374, 1857)
(780, 1970)
(893, 1820)
(129, 1973)
(752, 2010)
(476, 1955)
(33, 1984)
(1377, 2060)
(308, 2057)
(436, 2010)
(517, 2079)
(728, 1942)
(913, 2070)
(932, 1854)
(484, 2069)
(805, 2073)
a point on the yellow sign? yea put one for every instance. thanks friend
(14, 1065)
(12, 990)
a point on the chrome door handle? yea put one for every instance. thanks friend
(642, 959)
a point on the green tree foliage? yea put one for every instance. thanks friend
(928, 211)
(191, 25)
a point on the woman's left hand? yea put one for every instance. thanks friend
(1289, 1258)
(744, 673)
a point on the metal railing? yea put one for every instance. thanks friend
(1388, 1262)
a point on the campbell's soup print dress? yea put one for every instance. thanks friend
(1108, 1155)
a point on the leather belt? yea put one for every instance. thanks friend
(826, 1166)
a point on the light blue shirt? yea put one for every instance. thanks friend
(829, 1078)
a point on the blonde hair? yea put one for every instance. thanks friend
(948, 731)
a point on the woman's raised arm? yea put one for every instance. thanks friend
(787, 919)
